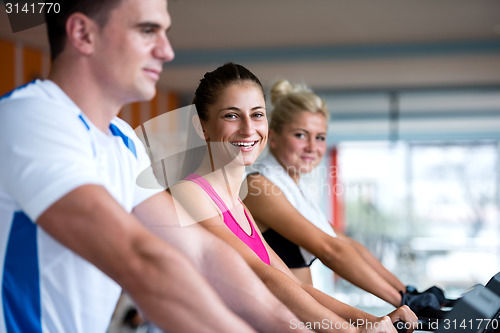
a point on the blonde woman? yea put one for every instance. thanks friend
(292, 223)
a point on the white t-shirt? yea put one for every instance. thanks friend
(298, 197)
(49, 148)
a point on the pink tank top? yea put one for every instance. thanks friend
(253, 241)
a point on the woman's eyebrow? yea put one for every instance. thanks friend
(234, 108)
(258, 107)
(229, 108)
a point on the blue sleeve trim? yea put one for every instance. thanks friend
(126, 140)
(20, 280)
(7, 95)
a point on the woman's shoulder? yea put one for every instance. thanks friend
(193, 198)
(268, 166)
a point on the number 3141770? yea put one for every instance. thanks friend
(32, 8)
(471, 324)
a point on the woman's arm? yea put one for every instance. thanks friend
(373, 262)
(271, 208)
(281, 281)
(281, 284)
(353, 315)
(224, 269)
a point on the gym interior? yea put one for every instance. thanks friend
(413, 88)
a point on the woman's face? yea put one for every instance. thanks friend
(237, 124)
(301, 144)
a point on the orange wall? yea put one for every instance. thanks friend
(15, 73)
(138, 113)
(31, 67)
(32, 64)
(7, 67)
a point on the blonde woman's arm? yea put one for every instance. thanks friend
(271, 208)
(353, 315)
(373, 262)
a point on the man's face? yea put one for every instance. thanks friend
(131, 48)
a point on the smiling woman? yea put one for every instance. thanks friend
(231, 119)
(238, 118)
(232, 125)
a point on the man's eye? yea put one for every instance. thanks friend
(321, 138)
(230, 116)
(148, 30)
(299, 135)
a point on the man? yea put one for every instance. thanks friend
(74, 225)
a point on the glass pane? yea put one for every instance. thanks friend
(428, 211)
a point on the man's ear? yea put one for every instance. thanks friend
(198, 127)
(80, 30)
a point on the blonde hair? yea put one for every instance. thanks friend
(289, 100)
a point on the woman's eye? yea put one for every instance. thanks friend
(299, 135)
(321, 138)
(230, 116)
(259, 115)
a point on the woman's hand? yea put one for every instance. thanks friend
(381, 325)
(406, 315)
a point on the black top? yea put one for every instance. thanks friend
(286, 250)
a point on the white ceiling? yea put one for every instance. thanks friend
(226, 24)
(264, 27)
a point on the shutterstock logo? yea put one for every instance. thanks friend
(26, 14)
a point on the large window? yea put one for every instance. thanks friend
(420, 170)
(429, 211)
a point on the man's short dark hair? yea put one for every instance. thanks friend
(98, 10)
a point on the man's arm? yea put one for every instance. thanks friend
(223, 267)
(162, 282)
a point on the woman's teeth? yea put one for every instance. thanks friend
(244, 144)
